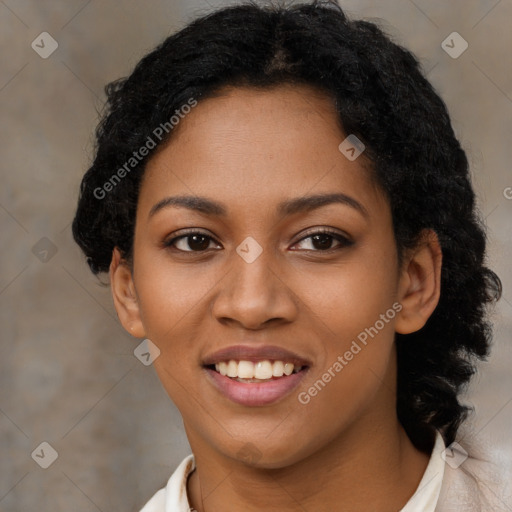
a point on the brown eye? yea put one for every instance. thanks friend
(321, 241)
(190, 242)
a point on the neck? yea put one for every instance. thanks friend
(377, 468)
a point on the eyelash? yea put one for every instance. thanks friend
(343, 240)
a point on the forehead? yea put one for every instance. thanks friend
(248, 146)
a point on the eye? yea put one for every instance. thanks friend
(321, 240)
(191, 241)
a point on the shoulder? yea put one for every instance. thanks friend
(476, 478)
(156, 503)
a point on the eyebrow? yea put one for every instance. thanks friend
(285, 208)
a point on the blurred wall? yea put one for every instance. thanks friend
(68, 374)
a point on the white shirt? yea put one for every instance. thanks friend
(173, 497)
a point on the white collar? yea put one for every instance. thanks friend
(427, 493)
(173, 498)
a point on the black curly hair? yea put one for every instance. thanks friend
(381, 96)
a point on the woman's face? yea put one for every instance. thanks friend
(255, 276)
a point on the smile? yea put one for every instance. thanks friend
(255, 383)
(260, 371)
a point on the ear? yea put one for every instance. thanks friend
(125, 296)
(420, 283)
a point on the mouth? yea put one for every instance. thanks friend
(255, 372)
(255, 383)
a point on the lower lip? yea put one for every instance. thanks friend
(254, 393)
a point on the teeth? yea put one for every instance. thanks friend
(232, 369)
(245, 370)
(262, 370)
(278, 369)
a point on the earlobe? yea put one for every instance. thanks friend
(125, 296)
(420, 284)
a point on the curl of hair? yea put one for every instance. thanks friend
(383, 98)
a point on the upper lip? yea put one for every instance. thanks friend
(255, 354)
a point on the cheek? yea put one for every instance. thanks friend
(173, 310)
(352, 311)
(355, 373)
(344, 299)
(169, 293)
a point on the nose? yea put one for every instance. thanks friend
(254, 295)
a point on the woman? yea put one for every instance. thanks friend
(287, 218)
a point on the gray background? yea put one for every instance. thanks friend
(68, 374)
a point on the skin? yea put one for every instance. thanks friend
(251, 149)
